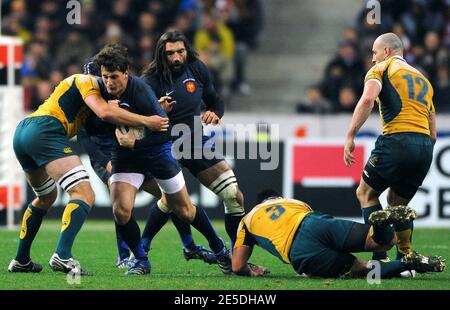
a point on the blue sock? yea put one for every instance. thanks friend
(156, 220)
(184, 230)
(122, 247)
(391, 269)
(366, 212)
(131, 234)
(31, 221)
(231, 226)
(203, 225)
(74, 215)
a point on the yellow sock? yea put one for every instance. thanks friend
(404, 241)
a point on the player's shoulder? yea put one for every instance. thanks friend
(198, 65)
(152, 80)
(137, 83)
(381, 66)
(85, 79)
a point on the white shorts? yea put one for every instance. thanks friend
(169, 186)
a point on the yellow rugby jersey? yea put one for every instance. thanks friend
(66, 103)
(405, 101)
(273, 225)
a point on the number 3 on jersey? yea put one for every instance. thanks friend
(275, 211)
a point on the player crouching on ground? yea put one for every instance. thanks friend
(320, 245)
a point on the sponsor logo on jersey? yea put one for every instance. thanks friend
(68, 150)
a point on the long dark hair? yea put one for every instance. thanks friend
(159, 65)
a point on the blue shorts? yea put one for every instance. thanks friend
(160, 163)
(196, 161)
(39, 140)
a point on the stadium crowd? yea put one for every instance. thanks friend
(423, 26)
(222, 31)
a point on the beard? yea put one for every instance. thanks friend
(177, 67)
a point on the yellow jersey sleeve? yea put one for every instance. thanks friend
(87, 85)
(376, 72)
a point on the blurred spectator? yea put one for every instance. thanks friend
(347, 67)
(43, 91)
(55, 77)
(314, 102)
(246, 24)
(215, 43)
(16, 28)
(434, 55)
(147, 24)
(424, 28)
(37, 62)
(442, 90)
(54, 49)
(347, 99)
(145, 52)
(74, 50)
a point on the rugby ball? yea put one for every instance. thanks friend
(139, 132)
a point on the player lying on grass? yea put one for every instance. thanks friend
(320, 245)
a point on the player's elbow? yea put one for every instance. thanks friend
(239, 268)
(367, 101)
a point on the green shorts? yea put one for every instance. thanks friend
(319, 248)
(399, 161)
(40, 140)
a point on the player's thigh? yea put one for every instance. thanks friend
(380, 167)
(123, 195)
(211, 173)
(36, 177)
(316, 259)
(151, 186)
(101, 172)
(366, 192)
(59, 167)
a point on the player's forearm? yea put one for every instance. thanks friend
(215, 104)
(360, 116)
(123, 117)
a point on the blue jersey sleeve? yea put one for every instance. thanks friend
(147, 104)
(210, 96)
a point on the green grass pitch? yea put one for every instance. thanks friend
(95, 247)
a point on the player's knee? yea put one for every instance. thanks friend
(76, 183)
(47, 200)
(226, 188)
(121, 214)
(185, 214)
(361, 193)
(89, 197)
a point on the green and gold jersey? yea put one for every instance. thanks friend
(66, 103)
(405, 101)
(272, 225)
